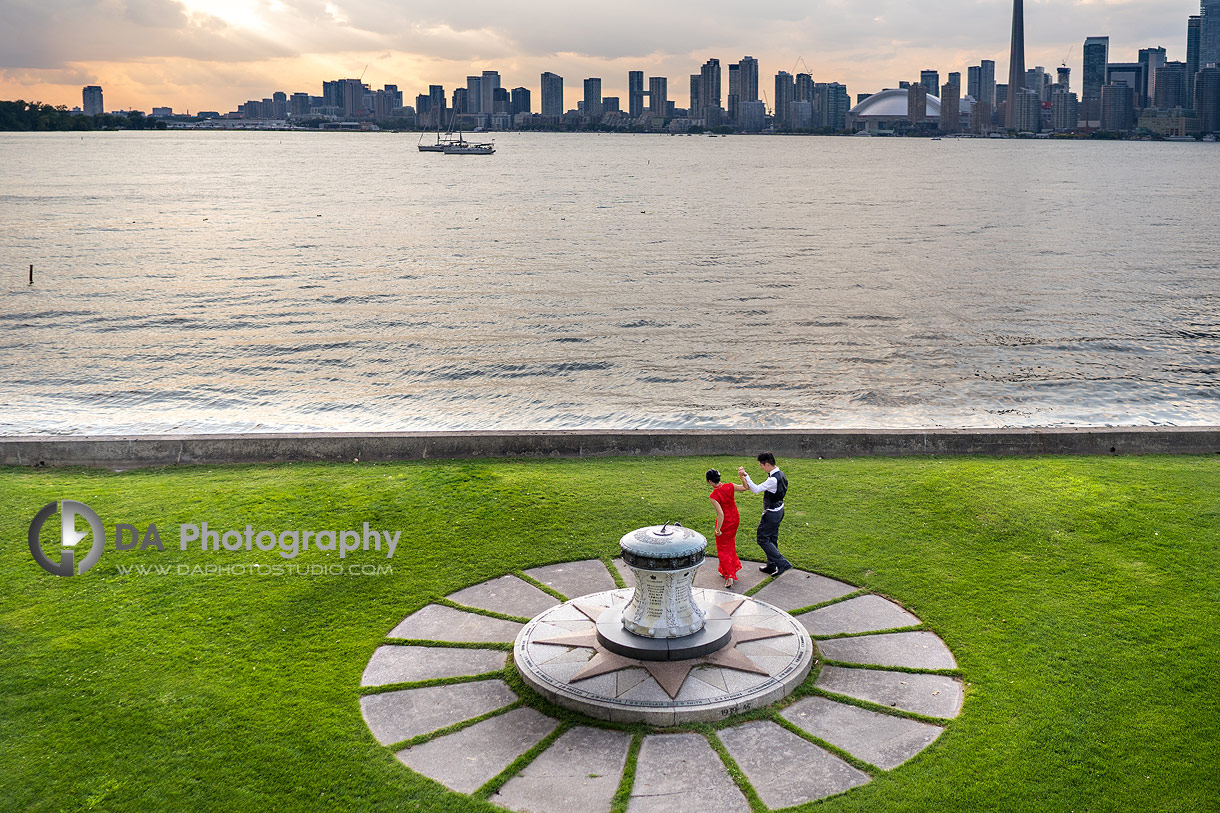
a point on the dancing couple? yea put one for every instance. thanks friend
(773, 489)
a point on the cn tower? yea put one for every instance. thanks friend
(1016, 66)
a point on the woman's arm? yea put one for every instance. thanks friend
(739, 487)
(719, 515)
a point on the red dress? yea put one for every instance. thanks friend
(726, 540)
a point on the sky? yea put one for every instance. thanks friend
(215, 54)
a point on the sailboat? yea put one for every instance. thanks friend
(439, 146)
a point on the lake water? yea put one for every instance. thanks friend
(198, 282)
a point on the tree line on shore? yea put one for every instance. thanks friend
(23, 116)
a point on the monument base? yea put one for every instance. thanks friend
(716, 632)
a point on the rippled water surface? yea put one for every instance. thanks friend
(301, 281)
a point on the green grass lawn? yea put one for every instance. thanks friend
(1081, 597)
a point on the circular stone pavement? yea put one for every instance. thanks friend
(435, 694)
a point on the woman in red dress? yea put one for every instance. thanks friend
(726, 525)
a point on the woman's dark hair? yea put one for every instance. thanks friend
(713, 476)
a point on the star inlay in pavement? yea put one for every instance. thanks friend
(670, 675)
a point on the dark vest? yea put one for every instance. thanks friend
(781, 488)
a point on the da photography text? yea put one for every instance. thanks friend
(127, 537)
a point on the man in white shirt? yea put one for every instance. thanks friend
(773, 489)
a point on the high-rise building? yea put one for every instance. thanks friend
(1207, 99)
(696, 104)
(1193, 28)
(1171, 87)
(917, 103)
(1092, 77)
(753, 116)
(353, 98)
(803, 88)
(931, 81)
(1064, 112)
(461, 101)
(299, 104)
(488, 85)
(734, 98)
(955, 78)
(474, 94)
(552, 94)
(520, 101)
(1016, 64)
(987, 82)
(1130, 74)
(1117, 107)
(1209, 33)
(709, 84)
(1065, 78)
(658, 96)
(749, 78)
(950, 106)
(438, 116)
(635, 94)
(91, 100)
(1152, 59)
(593, 98)
(837, 105)
(972, 81)
(785, 94)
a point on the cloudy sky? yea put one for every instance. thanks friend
(215, 54)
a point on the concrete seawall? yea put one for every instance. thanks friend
(160, 450)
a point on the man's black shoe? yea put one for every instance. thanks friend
(767, 569)
(781, 571)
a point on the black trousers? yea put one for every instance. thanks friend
(768, 539)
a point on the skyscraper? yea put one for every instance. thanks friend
(1171, 85)
(709, 83)
(474, 94)
(593, 97)
(972, 81)
(552, 94)
(931, 81)
(635, 94)
(1092, 77)
(1209, 33)
(658, 96)
(1065, 78)
(734, 98)
(695, 107)
(91, 100)
(520, 101)
(1016, 65)
(1207, 99)
(749, 79)
(785, 94)
(1152, 59)
(987, 82)
(950, 107)
(1193, 26)
(1117, 107)
(487, 89)
(917, 103)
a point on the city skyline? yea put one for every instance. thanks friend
(191, 59)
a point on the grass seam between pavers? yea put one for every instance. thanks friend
(420, 739)
(920, 627)
(622, 796)
(619, 582)
(454, 680)
(891, 711)
(735, 773)
(519, 764)
(453, 605)
(877, 667)
(530, 580)
(854, 761)
(502, 646)
(857, 593)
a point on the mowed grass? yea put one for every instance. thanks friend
(1081, 597)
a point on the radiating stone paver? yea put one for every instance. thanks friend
(784, 769)
(625, 572)
(579, 772)
(404, 664)
(400, 715)
(507, 595)
(709, 575)
(797, 588)
(879, 739)
(861, 614)
(914, 650)
(677, 773)
(436, 622)
(466, 759)
(575, 579)
(933, 695)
